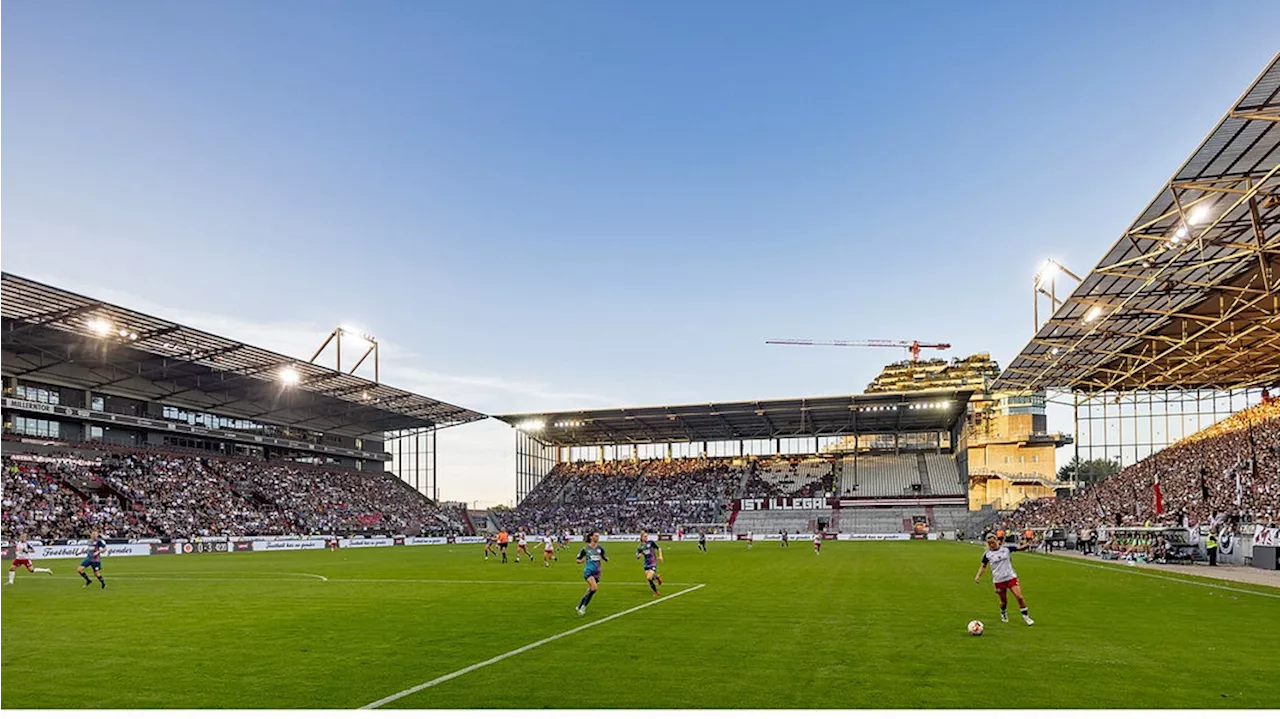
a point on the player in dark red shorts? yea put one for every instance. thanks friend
(1003, 578)
(22, 558)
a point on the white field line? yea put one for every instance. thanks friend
(1156, 574)
(521, 650)
(577, 583)
(371, 580)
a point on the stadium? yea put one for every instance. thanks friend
(253, 530)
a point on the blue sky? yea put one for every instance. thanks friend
(543, 206)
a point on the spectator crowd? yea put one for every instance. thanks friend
(152, 493)
(1230, 469)
(660, 495)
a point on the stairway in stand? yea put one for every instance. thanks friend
(924, 474)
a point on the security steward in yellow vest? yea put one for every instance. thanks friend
(1211, 547)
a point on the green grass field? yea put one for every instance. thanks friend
(864, 625)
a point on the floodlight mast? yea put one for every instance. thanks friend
(359, 338)
(1048, 275)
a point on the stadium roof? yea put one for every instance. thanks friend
(1189, 296)
(57, 336)
(762, 419)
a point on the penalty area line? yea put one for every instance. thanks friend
(480, 665)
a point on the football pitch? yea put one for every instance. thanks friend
(864, 625)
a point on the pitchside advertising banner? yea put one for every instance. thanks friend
(287, 544)
(359, 543)
(50, 551)
(426, 541)
(1263, 536)
(1266, 536)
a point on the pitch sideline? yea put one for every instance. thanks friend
(1157, 574)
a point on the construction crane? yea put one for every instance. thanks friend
(913, 346)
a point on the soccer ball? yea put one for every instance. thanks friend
(975, 628)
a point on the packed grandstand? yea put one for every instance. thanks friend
(1232, 467)
(149, 493)
(667, 495)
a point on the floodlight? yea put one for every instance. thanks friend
(99, 326)
(356, 337)
(133, 335)
(289, 376)
(1047, 272)
(1200, 214)
(1092, 314)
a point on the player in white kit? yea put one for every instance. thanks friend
(549, 550)
(22, 558)
(1003, 577)
(522, 546)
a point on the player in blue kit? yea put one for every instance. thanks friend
(652, 554)
(93, 559)
(593, 554)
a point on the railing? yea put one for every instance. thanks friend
(1006, 474)
(1026, 437)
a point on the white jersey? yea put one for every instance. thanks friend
(520, 540)
(1001, 564)
(22, 550)
(549, 543)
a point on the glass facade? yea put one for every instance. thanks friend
(37, 394)
(1129, 428)
(33, 427)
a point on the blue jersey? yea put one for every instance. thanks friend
(96, 548)
(649, 550)
(594, 556)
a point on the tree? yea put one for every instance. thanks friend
(1088, 471)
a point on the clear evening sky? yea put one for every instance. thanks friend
(540, 206)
